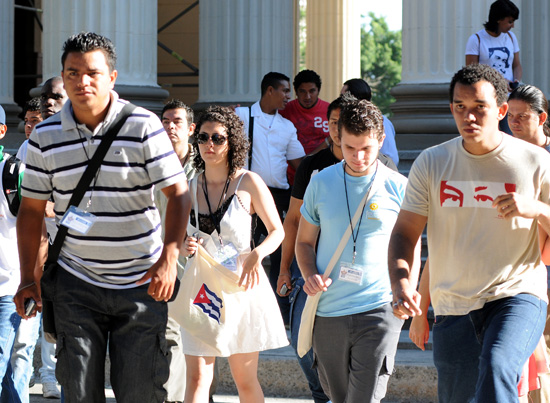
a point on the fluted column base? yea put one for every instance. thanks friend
(421, 115)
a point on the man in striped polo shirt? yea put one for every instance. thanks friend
(101, 292)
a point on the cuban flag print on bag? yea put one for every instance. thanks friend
(209, 302)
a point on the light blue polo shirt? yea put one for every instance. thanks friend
(325, 206)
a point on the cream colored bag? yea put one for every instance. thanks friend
(305, 334)
(218, 317)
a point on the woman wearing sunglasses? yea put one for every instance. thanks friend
(226, 196)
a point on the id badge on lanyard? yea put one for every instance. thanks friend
(227, 255)
(351, 273)
(78, 220)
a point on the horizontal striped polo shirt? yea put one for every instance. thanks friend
(126, 239)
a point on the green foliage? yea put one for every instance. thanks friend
(380, 60)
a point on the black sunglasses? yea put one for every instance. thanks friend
(217, 139)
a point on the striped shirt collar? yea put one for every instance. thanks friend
(68, 121)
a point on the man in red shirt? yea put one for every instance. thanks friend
(307, 112)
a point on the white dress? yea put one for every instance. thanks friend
(260, 325)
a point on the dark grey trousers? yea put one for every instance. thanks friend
(355, 354)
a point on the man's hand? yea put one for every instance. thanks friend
(24, 293)
(515, 205)
(406, 300)
(315, 284)
(163, 278)
(284, 279)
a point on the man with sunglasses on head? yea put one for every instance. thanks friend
(274, 146)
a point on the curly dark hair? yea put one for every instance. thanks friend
(474, 73)
(32, 105)
(340, 103)
(306, 76)
(359, 117)
(237, 141)
(88, 42)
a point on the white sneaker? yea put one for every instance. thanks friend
(50, 390)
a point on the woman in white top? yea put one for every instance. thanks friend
(226, 196)
(496, 45)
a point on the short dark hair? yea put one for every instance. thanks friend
(340, 102)
(88, 42)
(306, 76)
(474, 73)
(536, 100)
(272, 79)
(32, 105)
(359, 117)
(177, 104)
(499, 10)
(237, 141)
(359, 88)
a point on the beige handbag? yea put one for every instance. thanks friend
(218, 316)
(305, 333)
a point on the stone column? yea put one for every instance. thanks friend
(13, 138)
(131, 25)
(333, 44)
(434, 41)
(533, 34)
(241, 41)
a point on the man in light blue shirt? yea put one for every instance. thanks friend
(355, 306)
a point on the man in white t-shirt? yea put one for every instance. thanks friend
(484, 197)
(274, 146)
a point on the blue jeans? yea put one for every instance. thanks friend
(297, 299)
(479, 356)
(23, 353)
(129, 322)
(10, 390)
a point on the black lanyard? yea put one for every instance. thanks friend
(215, 221)
(356, 235)
(94, 182)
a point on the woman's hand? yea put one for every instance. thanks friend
(251, 270)
(190, 245)
(419, 332)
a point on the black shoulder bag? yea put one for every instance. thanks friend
(47, 283)
(10, 182)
